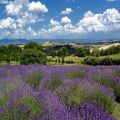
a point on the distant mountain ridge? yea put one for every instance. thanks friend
(80, 41)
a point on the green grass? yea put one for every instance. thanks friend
(54, 82)
(78, 60)
(33, 79)
(72, 95)
(3, 100)
(76, 74)
(33, 104)
(115, 56)
(116, 111)
(117, 73)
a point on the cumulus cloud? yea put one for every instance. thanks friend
(22, 14)
(109, 20)
(8, 23)
(37, 6)
(25, 12)
(67, 11)
(65, 20)
(54, 22)
(13, 9)
(91, 23)
(18, 7)
(88, 14)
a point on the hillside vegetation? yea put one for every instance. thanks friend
(59, 54)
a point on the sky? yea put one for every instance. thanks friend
(59, 19)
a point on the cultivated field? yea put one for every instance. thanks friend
(36, 92)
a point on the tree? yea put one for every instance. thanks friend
(82, 52)
(14, 52)
(10, 53)
(33, 45)
(3, 52)
(33, 56)
(95, 52)
(62, 53)
(3, 49)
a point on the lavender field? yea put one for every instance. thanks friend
(36, 92)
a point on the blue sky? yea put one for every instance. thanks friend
(58, 19)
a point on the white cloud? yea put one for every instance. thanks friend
(57, 28)
(21, 26)
(65, 20)
(91, 23)
(109, 20)
(54, 22)
(23, 14)
(18, 7)
(37, 6)
(67, 11)
(13, 9)
(24, 17)
(8, 23)
(68, 26)
(88, 14)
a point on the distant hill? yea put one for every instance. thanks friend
(104, 47)
(78, 41)
(15, 41)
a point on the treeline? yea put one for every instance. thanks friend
(83, 51)
(31, 53)
(101, 61)
(10, 53)
(110, 51)
(86, 51)
(34, 53)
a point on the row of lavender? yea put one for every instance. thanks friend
(37, 92)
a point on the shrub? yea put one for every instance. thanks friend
(101, 61)
(69, 62)
(106, 61)
(33, 56)
(82, 52)
(117, 61)
(90, 61)
(33, 45)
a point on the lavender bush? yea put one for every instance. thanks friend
(36, 92)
